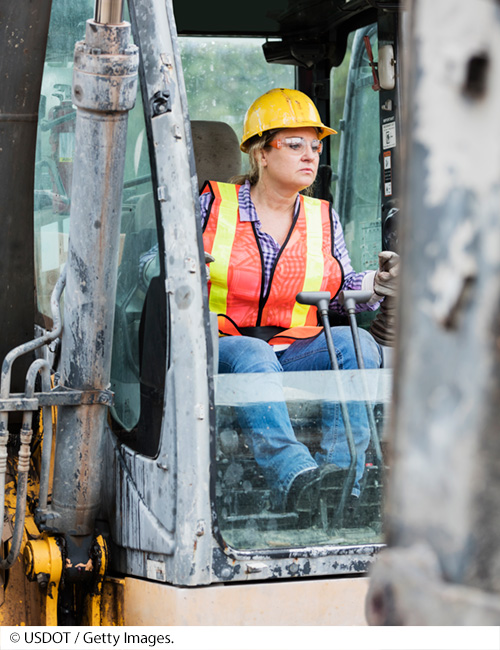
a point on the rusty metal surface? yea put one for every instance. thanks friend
(445, 482)
(56, 397)
(407, 588)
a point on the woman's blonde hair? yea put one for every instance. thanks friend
(254, 146)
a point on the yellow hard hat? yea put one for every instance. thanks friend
(282, 108)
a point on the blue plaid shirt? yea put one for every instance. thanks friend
(270, 247)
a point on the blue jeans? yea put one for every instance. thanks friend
(267, 425)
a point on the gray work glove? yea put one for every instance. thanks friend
(386, 278)
(383, 328)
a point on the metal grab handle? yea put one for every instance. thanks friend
(349, 299)
(319, 299)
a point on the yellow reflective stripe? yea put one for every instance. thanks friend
(222, 247)
(314, 259)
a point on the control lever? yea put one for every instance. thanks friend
(321, 300)
(349, 299)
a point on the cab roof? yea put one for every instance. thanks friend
(277, 18)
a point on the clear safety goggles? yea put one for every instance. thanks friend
(297, 144)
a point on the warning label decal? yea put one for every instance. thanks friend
(389, 135)
(387, 173)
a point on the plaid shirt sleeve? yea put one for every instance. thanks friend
(204, 205)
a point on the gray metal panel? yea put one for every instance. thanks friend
(182, 504)
(148, 527)
(443, 499)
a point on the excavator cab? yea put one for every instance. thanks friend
(183, 502)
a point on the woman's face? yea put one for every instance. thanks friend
(289, 169)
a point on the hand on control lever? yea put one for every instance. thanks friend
(386, 278)
(383, 328)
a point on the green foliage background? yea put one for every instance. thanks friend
(224, 76)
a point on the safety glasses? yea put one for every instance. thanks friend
(297, 145)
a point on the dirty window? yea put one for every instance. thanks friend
(355, 109)
(344, 506)
(55, 145)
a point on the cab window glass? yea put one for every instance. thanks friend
(55, 145)
(53, 181)
(249, 513)
(357, 152)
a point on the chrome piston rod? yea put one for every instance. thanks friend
(108, 12)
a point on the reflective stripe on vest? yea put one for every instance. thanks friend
(314, 259)
(223, 243)
(304, 263)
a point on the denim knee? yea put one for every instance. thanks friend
(246, 354)
(346, 353)
(372, 354)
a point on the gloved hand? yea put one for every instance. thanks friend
(383, 328)
(386, 278)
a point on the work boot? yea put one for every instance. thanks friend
(304, 493)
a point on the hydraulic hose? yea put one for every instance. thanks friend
(5, 384)
(29, 346)
(23, 466)
(47, 447)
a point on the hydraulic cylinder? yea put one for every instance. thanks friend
(104, 90)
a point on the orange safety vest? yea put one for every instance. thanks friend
(304, 263)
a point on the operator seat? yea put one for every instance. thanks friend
(218, 158)
(216, 151)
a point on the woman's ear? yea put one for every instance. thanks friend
(261, 157)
